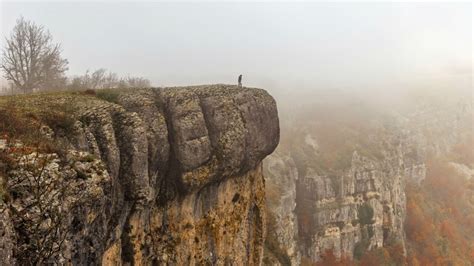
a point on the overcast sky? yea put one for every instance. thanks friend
(290, 46)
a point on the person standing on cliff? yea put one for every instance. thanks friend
(240, 80)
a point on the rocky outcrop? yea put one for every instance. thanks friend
(160, 176)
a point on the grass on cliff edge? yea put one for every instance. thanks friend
(22, 117)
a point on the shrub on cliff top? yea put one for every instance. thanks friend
(59, 119)
(108, 95)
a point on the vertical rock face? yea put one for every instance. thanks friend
(349, 212)
(362, 205)
(163, 176)
(361, 209)
(357, 206)
(281, 176)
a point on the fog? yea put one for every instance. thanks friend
(291, 49)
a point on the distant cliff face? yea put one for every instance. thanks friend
(151, 176)
(362, 208)
(348, 212)
(348, 197)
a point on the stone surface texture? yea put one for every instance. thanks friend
(162, 176)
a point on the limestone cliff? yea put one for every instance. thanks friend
(361, 208)
(349, 196)
(147, 177)
(349, 211)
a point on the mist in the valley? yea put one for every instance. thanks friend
(367, 159)
(299, 52)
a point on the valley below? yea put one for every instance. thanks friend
(216, 175)
(351, 184)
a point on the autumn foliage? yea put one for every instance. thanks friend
(329, 259)
(439, 225)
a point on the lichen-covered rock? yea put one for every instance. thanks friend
(53, 204)
(158, 176)
(218, 131)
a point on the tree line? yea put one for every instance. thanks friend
(31, 62)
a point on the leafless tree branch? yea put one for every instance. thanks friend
(30, 59)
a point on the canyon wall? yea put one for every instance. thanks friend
(359, 203)
(349, 211)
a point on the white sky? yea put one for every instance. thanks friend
(278, 46)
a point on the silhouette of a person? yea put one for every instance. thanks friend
(240, 80)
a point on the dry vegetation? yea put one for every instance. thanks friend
(34, 128)
(24, 117)
(440, 220)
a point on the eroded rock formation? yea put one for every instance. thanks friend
(155, 176)
(359, 204)
(348, 212)
(362, 208)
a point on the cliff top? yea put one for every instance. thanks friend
(53, 99)
(195, 134)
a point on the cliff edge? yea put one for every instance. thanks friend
(143, 176)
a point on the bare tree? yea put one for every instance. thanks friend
(102, 79)
(134, 82)
(30, 59)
